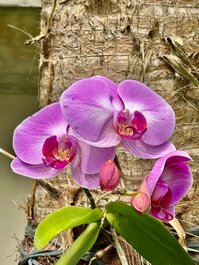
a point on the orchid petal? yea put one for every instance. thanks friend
(92, 157)
(160, 190)
(89, 181)
(109, 82)
(166, 201)
(157, 170)
(108, 137)
(158, 113)
(88, 106)
(31, 134)
(116, 102)
(49, 146)
(176, 157)
(143, 150)
(179, 178)
(39, 171)
(139, 122)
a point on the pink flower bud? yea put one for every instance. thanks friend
(141, 202)
(109, 176)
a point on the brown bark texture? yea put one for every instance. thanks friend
(156, 42)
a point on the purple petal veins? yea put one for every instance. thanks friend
(31, 134)
(41, 143)
(45, 146)
(88, 106)
(159, 115)
(104, 114)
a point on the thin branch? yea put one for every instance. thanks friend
(5, 153)
(21, 30)
(24, 32)
(48, 27)
(102, 197)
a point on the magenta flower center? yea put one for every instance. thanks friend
(161, 201)
(128, 126)
(59, 152)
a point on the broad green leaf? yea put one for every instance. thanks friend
(80, 246)
(62, 220)
(147, 235)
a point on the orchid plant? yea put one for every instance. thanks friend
(81, 131)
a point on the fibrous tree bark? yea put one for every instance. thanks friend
(155, 42)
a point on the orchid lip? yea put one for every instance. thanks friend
(162, 197)
(59, 152)
(161, 213)
(130, 127)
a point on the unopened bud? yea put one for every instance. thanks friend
(141, 202)
(109, 176)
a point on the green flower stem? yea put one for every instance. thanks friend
(125, 193)
(90, 197)
(103, 196)
(130, 193)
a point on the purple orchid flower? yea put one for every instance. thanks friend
(166, 184)
(45, 146)
(104, 114)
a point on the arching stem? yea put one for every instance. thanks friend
(116, 160)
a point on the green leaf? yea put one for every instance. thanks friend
(62, 220)
(80, 246)
(147, 235)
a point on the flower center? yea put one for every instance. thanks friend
(130, 127)
(62, 155)
(59, 152)
(125, 130)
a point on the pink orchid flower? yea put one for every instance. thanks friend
(166, 184)
(45, 146)
(104, 114)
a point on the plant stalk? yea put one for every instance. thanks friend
(90, 197)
